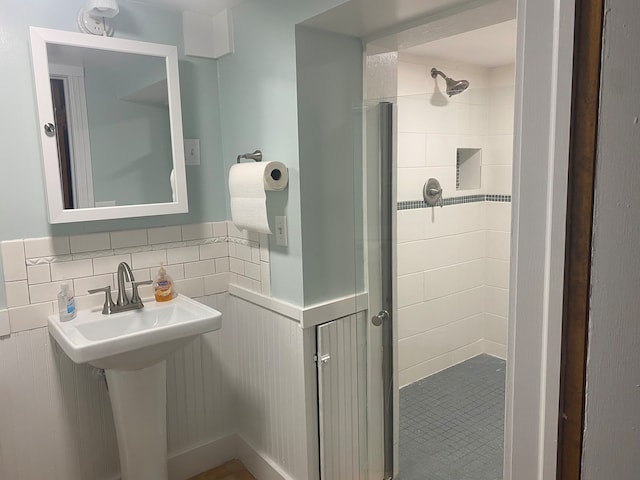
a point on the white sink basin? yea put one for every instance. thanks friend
(135, 339)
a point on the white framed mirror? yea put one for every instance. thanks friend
(110, 124)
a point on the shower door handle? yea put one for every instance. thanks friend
(381, 317)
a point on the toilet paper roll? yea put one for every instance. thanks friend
(248, 186)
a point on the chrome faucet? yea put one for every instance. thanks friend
(123, 302)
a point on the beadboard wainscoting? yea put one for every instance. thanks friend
(247, 391)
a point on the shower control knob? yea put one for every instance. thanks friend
(382, 316)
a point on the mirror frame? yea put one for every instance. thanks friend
(40, 37)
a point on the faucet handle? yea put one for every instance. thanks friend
(107, 308)
(135, 297)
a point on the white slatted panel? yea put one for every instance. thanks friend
(270, 386)
(341, 391)
(55, 416)
(199, 405)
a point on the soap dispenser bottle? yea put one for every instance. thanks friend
(66, 303)
(163, 286)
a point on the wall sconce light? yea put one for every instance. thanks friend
(95, 17)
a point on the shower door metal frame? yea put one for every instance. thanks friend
(387, 313)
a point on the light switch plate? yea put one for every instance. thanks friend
(281, 232)
(192, 151)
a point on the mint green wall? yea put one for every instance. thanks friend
(23, 211)
(259, 110)
(329, 70)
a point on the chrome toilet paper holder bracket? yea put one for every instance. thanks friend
(257, 156)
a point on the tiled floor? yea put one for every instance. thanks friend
(451, 423)
(233, 470)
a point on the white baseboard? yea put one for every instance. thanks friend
(260, 465)
(188, 463)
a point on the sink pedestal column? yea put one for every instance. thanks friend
(139, 404)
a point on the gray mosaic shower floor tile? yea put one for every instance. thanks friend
(451, 423)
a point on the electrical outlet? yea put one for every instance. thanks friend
(281, 231)
(192, 151)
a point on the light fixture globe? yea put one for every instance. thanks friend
(95, 17)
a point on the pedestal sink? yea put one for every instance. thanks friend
(132, 347)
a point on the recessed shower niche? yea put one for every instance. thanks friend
(468, 165)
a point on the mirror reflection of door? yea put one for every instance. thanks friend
(62, 137)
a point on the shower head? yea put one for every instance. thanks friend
(454, 87)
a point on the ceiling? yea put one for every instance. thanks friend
(490, 46)
(210, 7)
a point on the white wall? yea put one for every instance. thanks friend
(612, 427)
(452, 262)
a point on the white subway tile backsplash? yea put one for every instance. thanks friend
(255, 255)
(183, 255)
(175, 271)
(191, 287)
(244, 282)
(252, 270)
(197, 231)
(13, 260)
(109, 264)
(72, 269)
(264, 247)
(164, 234)
(38, 274)
(129, 238)
(17, 293)
(265, 278)
(81, 286)
(243, 252)
(47, 246)
(142, 274)
(90, 242)
(200, 262)
(222, 264)
(214, 250)
(217, 283)
(236, 266)
(45, 292)
(148, 259)
(5, 326)
(199, 269)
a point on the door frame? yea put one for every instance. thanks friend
(540, 189)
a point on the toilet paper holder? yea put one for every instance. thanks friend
(257, 156)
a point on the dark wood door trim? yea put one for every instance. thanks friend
(582, 158)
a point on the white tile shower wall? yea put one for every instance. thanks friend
(457, 255)
(198, 257)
